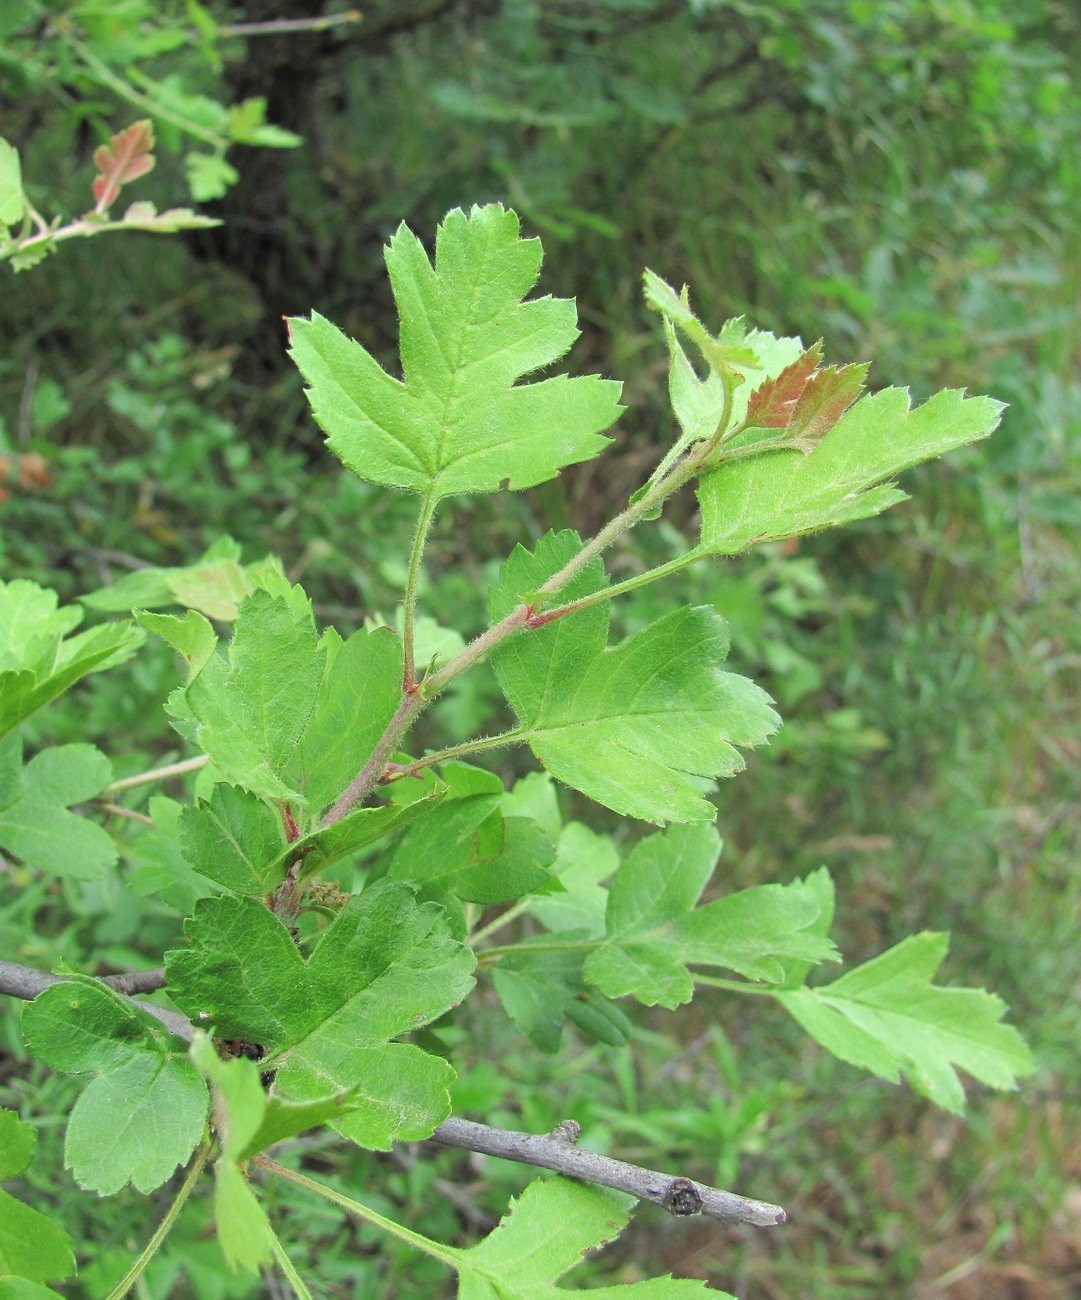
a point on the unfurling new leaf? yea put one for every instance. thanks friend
(125, 158)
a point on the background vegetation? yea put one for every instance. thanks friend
(900, 177)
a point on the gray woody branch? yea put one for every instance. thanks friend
(25, 982)
(556, 1150)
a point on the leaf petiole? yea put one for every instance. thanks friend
(424, 523)
(154, 1244)
(447, 1254)
(516, 737)
(288, 1268)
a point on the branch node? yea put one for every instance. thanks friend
(682, 1198)
(567, 1132)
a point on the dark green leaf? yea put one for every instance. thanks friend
(384, 966)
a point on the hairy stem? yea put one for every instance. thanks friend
(288, 1268)
(424, 523)
(157, 774)
(413, 704)
(515, 737)
(558, 1150)
(127, 91)
(276, 26)
(434, 1248)
(154, 1244)
(616, 589)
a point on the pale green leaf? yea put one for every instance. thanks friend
(38, 660)
(33, 1249)
(887, 1017)
(36, 825)
(655, 931)
(192, 637)
(583, 859)
(164, 870)
(12, 198)
(214, 585)
(459, 421)
(635, 726)
(244, 1231)
(143, 1113)
(785, 493)
(544, 1234)
(17, 1140)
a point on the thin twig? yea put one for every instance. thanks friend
(276, 26)
(26, 982)
(557, 1150)
(118, 810)
(157, 774)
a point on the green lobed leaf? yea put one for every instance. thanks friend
(384, 966)
(325, 845)
(143, 1113)
(12, 198)
(38, 660)
(655, 931)
(36, 825)
(234, 839)
(32, 1247)
(545, 1233)
(253, 705)
(359, 693)
(539, 990)
(888, 1018)
(784, 493)
(459, 421)
(467, 849)
(631, 726)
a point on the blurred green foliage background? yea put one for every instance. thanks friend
(902, 178)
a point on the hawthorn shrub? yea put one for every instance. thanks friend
(340, 892)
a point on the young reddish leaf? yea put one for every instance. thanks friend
(126, 157)
(772, 403)
(825, 398)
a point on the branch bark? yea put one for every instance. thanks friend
(558, 1151)
(25, 982)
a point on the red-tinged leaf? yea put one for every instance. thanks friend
(773, 402)
(126, 157)
(825, 398)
